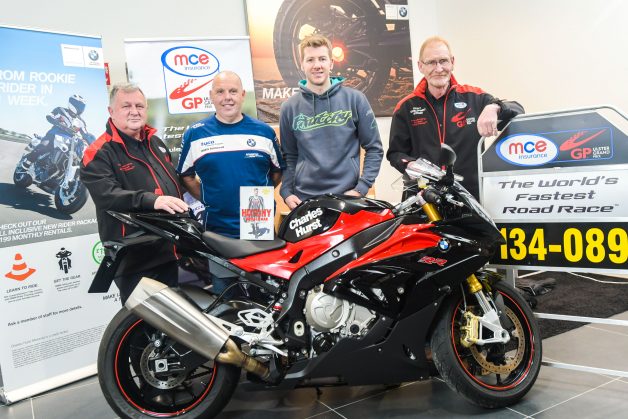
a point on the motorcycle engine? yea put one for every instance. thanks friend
(329, 314)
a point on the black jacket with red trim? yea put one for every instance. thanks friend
(416, 132)
(120, 179)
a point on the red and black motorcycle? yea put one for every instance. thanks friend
(354, 292)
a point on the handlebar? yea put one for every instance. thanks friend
(432, 196)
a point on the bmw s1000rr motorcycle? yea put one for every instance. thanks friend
(353, 292)
(56, 171)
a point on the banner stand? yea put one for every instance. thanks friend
(585, 151)
(53, 102)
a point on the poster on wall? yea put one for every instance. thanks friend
(176, 77)
(52, 98)
(370, 41)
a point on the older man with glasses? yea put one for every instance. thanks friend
(440, 110)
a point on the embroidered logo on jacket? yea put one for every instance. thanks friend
(418, 121)
(126, 167)
(460, 119)
(324, 119)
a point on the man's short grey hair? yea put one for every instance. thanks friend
(126, 88)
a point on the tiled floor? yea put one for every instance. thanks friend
(558, 393)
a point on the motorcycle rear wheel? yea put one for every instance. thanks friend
(354, 24)
(492, 375)
(134, 385)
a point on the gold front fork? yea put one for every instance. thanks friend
(471, 329)
(432, 212)
(474, 284)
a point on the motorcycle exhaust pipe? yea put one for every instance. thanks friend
(165, 309)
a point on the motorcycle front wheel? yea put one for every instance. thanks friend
(21, 178)
(71, 199)
(145, 374)
(490, 375)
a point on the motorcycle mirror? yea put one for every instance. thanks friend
(447, 155)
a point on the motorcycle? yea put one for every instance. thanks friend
(366, 44)
(353, 292)
(56, 171)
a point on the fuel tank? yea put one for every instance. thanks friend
(313, 228)
(319, 214)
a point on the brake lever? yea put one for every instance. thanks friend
(449, 198)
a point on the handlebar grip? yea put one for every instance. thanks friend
(431, 196)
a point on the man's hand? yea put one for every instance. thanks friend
(292, 201)
(487, 122)
(170, 204)
(353, 192)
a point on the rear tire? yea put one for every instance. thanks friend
(128, 345)
(355, 24)
(492, 375)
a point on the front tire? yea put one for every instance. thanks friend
(144, 374)
(72, 199)
(21, 178)
(492, 375)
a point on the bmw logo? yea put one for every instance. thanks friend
(403, 12)
(444, 245)
(250, 142)
(93, 55)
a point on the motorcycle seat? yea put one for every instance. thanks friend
(234, 248)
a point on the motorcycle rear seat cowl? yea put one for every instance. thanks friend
(235, 248)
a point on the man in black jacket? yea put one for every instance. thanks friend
(129, 169)
(440, 110)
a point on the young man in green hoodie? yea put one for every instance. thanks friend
(322, 129)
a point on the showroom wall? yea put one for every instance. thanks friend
(548, 55)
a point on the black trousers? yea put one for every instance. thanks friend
(167, 273)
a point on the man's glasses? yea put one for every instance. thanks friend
(444, 62)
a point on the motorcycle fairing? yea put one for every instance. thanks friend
(315, 272)
(396, 286)
(406, 239)
(391, 352)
